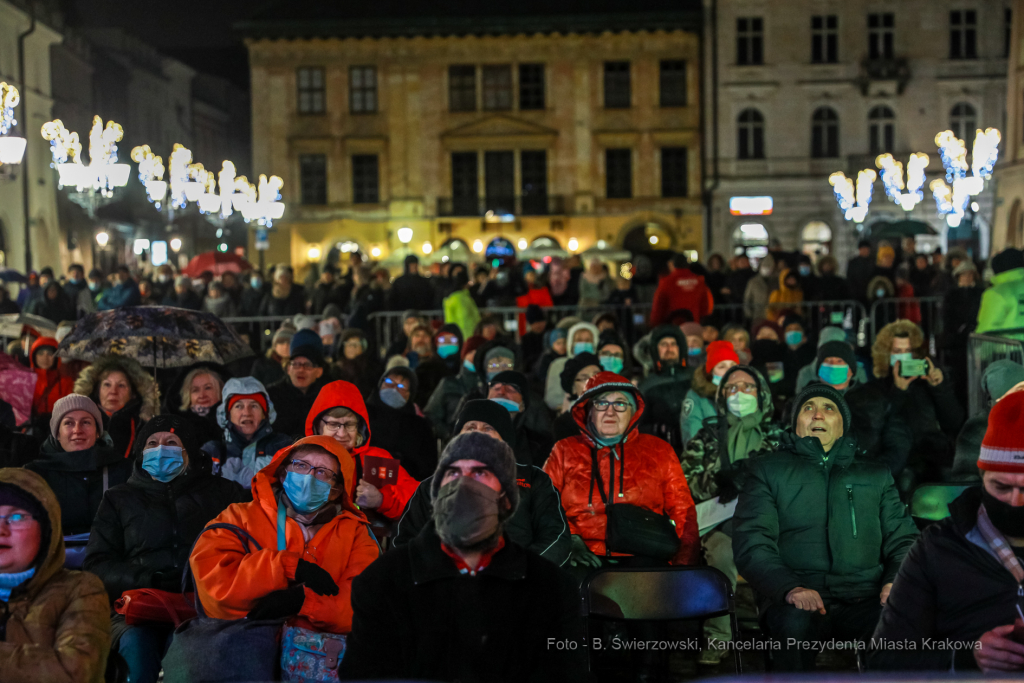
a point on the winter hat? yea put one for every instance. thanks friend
(830, 333)
(999, 377)
(243, 387)
(717, 352)
(449, 329)
(472, 344)
(497, 455)
(411, 259)
(1002, 449)
(1008, 259)
(966, 266)
(816, 389)
(692, 330)
(72, 402)
(282, 336)
(259, 398)
(410, 313)
(333, 311)
(790, 319)
(169, 423)
(304, 322)
(839, 349)
(307, 344)
(488, 412)
(573, 366)
(556, 334)
(534, 314)
(17, 497)
(763, 324)
(516, 379)
(499, 352)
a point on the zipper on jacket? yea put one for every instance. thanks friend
(853, 513)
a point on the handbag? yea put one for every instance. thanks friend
(210, 650)
(153, 606)
(631, 529)
(310, 656)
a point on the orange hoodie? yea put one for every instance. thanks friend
(229, 581)
(341, 394)
(51, 385)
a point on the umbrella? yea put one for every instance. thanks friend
(904, 228)
(156, 336)
(17, 386)
(216, 262)
(14, 324)
(11, 275)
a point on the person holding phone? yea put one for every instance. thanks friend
(921, 396)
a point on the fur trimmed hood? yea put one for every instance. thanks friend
(143, 384)
(882, 347)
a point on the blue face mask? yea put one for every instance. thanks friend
(306, 492)
(94, 286)
(75, 280)
(582, 347)
(833, 374)
(611, 363)
(794, 337)
(163, 463)
(695, 351)
(447, 350)
(897, 357)
(468, 364)
(716, 379)
(256, 283)
(510, 406)
(805, 270)
(392, 398)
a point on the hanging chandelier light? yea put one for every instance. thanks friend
(953, 195)
(892, 179)
(12, 148)
(853, 199)
(151, 173)
(103, 173)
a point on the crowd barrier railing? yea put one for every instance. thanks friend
(982, 350)
(259, 330)
(927, 312)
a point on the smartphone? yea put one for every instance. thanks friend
(913, 368)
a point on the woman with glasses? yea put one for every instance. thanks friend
(715, 462)
(611, 462)
(246, 414)
(314, 541)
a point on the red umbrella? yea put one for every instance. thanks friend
(217, 263)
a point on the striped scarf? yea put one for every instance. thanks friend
(999, 545)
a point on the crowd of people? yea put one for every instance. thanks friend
(438, 496)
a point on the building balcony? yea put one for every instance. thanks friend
(529, 205)
(883, 77)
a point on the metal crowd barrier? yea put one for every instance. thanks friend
(982, 350)
(927, 312)
(847, 314)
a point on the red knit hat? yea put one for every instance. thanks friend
(1002, 449)
(719, 351)
(259, 398)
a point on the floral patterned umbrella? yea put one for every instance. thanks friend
(156, 336)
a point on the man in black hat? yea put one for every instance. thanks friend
(411, 290)
(295, 393)
(539, 524)
(818, 532)
(462, 600)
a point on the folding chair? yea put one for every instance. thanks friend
(659, 594)
(930, 502)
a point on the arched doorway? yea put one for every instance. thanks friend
(816, 239)
(648, 236)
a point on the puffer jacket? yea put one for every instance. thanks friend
(56, 627)
(230, 581)
(1000, 304)
(79, 479)
(51, 385)
(648, 475)
(784, 295)
(554, 395)
(238, 457)
(346, 395)
(146, 526)
(829, 522)
(125, 423)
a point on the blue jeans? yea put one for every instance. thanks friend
(143, 648)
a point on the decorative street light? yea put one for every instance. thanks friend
(12, 149)
(151, 173)
(892, 179)
(952, 199)
(96, 182)
(853, 200)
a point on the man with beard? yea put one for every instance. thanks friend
(461, 601)
(958, 596)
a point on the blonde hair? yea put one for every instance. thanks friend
(186, 386)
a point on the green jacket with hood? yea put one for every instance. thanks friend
(1002, 304)
(829, 522)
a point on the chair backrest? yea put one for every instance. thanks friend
(931, 501)
(659, 593)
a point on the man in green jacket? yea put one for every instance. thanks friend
(459, 307)
(819, 533)
(1002, 304)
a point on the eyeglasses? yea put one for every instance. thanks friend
(332, 427)
(745, 387)
(300, 365)
(501, 366)
(610, 355)
(393, 384)
(321, 474)
(601, 405)
(18, 520)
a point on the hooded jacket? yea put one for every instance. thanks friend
(125, 423)
(665, 388)
(237, 457)
(1000, 307)
(554, 395)
(346, 395)
(401, 431)
(647, 474)
(56, 626)
(229, 581)
(784, 295)
(829, 522)
(681, 289)
(461, 310)
(698, 405)
(51, 385)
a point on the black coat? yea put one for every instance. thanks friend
(365, 301)
(833, 288)
(145, 526)
(948, 587)
(416, 617)
(77, 479)
(292, 405)
(291, 304)
(858, 275)
(882, 434)
(124, 425)
(411, 291)
(403, 434)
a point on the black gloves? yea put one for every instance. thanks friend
(169, 581)
(279, 604)
(316, 578)
(727, 491)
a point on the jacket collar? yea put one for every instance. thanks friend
(100, 455)
(809, 448)
(1011, 275)
(430, 563)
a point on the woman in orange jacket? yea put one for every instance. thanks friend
(314, 542)
(52, 382)
(789, 292)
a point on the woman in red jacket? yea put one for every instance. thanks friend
(52, 383)
(646, 474)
